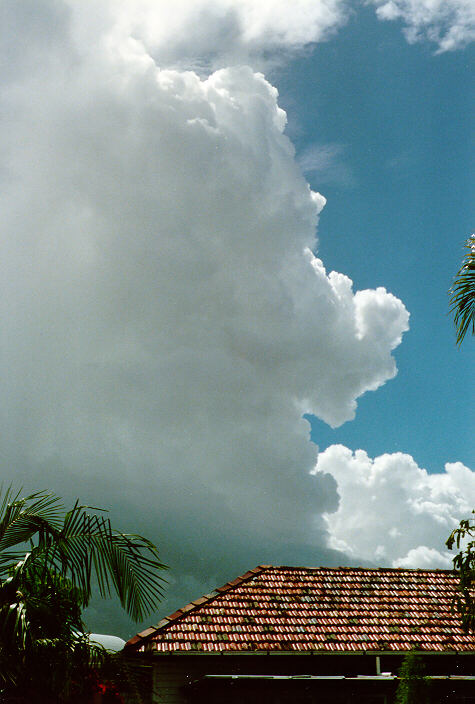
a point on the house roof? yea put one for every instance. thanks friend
(303, 609)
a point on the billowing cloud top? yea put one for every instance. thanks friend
(223, 32)
(204, 34)
(214, 33)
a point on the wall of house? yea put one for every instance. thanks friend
(174, 676)
(171, 675)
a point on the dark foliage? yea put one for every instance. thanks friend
(464, 564)
(413, 687)
(45, 653)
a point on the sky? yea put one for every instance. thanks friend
(228, 232)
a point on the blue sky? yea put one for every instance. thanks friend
(167, 325)
(400, 193)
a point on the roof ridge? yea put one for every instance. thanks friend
(366, 569)
(205, 599)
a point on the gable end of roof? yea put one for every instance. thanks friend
(139, 639)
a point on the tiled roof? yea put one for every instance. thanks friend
(302, 609)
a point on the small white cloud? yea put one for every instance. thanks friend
(388, 11)
(393, 512)
(448, 23)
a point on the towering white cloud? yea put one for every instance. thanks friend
(393, 512)
(164, 322)
(448, 23)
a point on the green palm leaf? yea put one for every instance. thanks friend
(14, 624)
(22, 518)
(462, 298)
(86, 545)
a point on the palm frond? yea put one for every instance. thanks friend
(23, 518)
(14, 622)
(462, 300)
(127, 564)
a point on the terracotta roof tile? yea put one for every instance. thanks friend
(317, 609)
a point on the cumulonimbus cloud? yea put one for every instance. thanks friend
(391, 511)
(165, 324)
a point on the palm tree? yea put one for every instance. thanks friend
(463, 293)
(44, 589)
